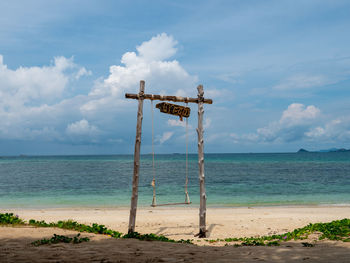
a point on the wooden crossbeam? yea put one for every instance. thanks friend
(166, 98)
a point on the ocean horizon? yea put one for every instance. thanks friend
(232, 179)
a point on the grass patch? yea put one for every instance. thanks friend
(73, 225)
(335, 230)
(60, 239)
(153, 237)
(10, 219)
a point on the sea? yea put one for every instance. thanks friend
(231, 180)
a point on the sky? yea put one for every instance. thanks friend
(278, 73)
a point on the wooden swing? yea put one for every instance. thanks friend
(174, 110)
(184, 113)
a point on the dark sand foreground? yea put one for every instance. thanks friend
(15, 247)
(15, 242)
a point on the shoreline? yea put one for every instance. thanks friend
(193, 206)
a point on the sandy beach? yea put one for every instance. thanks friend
(175, 223)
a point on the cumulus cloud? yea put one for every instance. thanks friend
(299, 123)
(297, 114)
(33, 101)
(149, 63)
(36, 85)
(337, 130)
(82, 127)
(158, 48)
(295, 123)
(40, 101)
(163, 138)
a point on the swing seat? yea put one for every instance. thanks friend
(183, 203)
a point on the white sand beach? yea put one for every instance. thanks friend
(182, 223)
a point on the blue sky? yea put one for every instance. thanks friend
(278, 72)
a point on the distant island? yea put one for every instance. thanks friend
(324, 151)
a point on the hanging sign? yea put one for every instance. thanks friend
(174, 109)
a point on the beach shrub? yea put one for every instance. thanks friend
(41, 223)
(253, 243)
(73, 225)
(154, 237)
(335, 230)
(307, 244)
(61, 239)
(273, 243)
(10, 219)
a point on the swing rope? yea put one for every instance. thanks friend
(187, 197)
(154, 201)
(153, 183)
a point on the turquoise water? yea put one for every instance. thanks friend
(231, 180)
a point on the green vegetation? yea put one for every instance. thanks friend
(61, 239)
(73, 225)
(306, 244)
(153, 237)
(335, 230)
(10, 219)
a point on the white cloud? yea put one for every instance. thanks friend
(295, 124)
(298, 123)
(219, 95)
(297, 114)
(33, 103)
(82, 72)
(176, 123)
(166, 136)
(213, 93)
(149, 64)
(158, 48)
(38, 102)
(82, 127)
(295, 121)
(207, 123)
(229, 77)
(28, 85)
(333, 131)
(302, 81)
(250, 137)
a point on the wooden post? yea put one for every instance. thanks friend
(135, 180)
(203, 197)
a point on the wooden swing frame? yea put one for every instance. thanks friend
(200, 100)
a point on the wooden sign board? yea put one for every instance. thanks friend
(174, 109)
